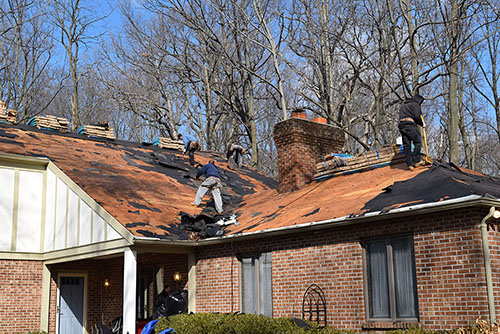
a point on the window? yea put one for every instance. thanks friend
(390, 279)
(256, 284)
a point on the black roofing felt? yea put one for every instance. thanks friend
(440, 182)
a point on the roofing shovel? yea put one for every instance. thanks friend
(427, 160)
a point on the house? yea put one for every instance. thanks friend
(94, 228)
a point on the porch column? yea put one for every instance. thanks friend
(129, 291)
(192, 282)
(44, 321)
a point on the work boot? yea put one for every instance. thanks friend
(420, 163)
(411, 167)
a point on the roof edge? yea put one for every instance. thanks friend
(466, 201)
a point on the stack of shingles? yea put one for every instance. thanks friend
(170, 143)
(98, 131)
(335, 165)
(7, 116)
(50, 122)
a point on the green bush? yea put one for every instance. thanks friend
(209, 323)
(36, 332)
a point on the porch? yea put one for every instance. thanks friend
(122, 285)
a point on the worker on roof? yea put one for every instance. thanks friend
(190, 146)
(212, 183)
(410, 115)
(234, 155)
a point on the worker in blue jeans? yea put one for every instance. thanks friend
(410, 115)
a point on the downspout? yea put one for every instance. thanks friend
(487, 262)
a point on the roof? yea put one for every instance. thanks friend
(149, 190)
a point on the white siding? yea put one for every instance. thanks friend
(62, 201)
(99, 227)
(30, 212)
(6, 208)
(112, 234)
(50, 212)
(85, 224)
(73, 227)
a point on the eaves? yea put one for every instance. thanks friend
(462, 202)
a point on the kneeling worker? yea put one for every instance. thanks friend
(212, 183)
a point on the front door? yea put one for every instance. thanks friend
(71, 305)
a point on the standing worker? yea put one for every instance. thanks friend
(410, 115)
(234, 155)
(212, 183)
(190, 146)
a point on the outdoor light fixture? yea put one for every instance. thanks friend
(496, 214)
(106, 283)
(177, 276)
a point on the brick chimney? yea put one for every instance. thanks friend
(301, 144)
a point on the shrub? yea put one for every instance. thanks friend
(209, 323)
(36, 332)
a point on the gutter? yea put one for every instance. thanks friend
(467, 201)
(487, 263)
(471, 200)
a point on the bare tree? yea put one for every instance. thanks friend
(73, 21)
(25, 55)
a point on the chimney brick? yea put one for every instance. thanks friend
(301, 144)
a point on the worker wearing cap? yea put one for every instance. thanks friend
(212, 183)
(234, 154)
(190, 146)
(410, 115)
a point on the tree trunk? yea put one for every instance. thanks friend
(453, 84)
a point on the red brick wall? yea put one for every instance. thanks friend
(449, 268)
(20, 295)
(301, 144)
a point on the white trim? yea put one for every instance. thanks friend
(192, 282)
(106, 216)
(45, 310)
(129, 290)
(85, 296)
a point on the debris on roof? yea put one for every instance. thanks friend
(7, 116)
(341, 164)
(169, 143)
(440, 182)
(49, 122)
(101, 130)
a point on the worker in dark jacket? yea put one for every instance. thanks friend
(160, 309)
(234, 155)
(212, 183)
(410, 115)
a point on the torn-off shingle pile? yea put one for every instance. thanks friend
(169, 143)
(97, 131)
(7, 116)
(337, 164)
(49, 122)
